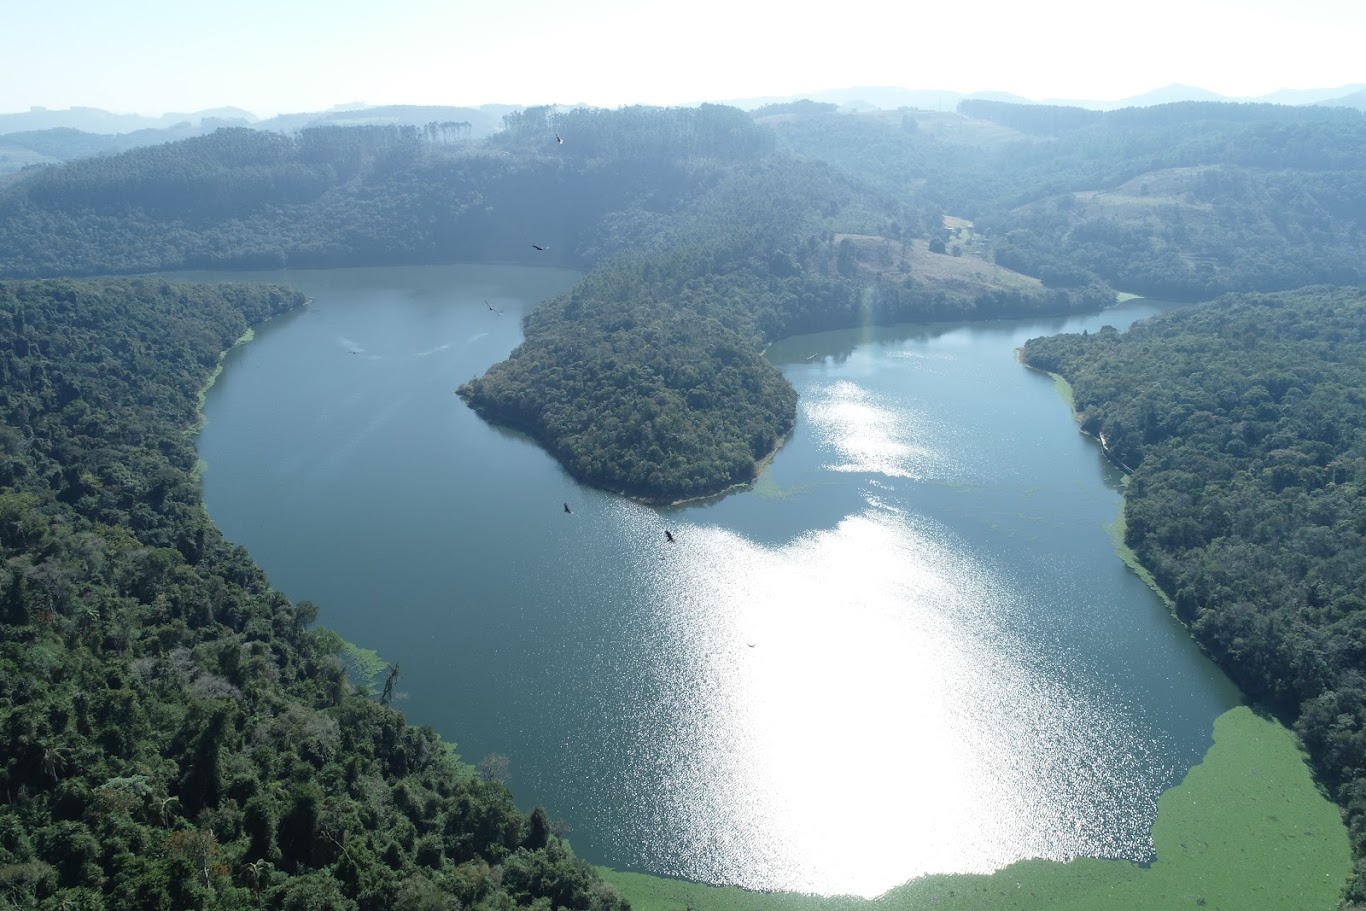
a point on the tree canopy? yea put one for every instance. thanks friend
(1243, 423)
(176, 733)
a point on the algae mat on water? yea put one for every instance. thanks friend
(1246, 831)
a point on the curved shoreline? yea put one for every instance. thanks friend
(759, 465)
(1116, 529)
(658, 502)
(1245, 828)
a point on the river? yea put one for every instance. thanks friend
(910, 647)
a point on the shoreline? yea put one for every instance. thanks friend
(1116, 529)
(197, 475)
(655, 502)
(244, 338)
(759, 465)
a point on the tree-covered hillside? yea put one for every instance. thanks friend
(1183, 201)
(704, 243)
(711, 235)
(174, 733)
(375, 195)
(1244, 425)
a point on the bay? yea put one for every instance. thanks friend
(908, 648)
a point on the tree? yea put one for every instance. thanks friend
(390, 679)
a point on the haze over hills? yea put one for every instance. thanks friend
(97, 120)
(893, 97)
(485, 118)
(51, 137)
(41, 135)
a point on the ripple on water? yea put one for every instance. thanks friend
(870, 436)
(851, 710)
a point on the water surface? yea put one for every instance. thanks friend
(909, 648)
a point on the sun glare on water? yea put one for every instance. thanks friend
(854, 708)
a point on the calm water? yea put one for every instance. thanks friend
(909, 648)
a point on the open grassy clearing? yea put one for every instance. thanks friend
(970, 274)
(1150, 199)
(952, 127)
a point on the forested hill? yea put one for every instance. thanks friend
(1244, 424)
(328, 196)
(704, 243)
(648, 378)
(1183, 201)
(173, 732)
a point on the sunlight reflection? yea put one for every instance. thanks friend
(848, 711)
(868, 436)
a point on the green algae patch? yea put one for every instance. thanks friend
(1247, 829)
(213, 377)
(200, 466)
(1065, 391)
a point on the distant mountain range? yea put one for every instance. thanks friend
(891, 97)
(96, 120)
(482, 120)
(44, 136)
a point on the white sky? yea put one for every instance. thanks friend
(275, 56)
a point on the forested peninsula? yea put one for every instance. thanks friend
(702, 242)
(1243, 424)
(177, 734)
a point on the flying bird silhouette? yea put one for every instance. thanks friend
(493, 308)
(558, 140)
(668, 536)
(567, 509)
(539, 247)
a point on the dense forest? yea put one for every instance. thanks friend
(375, 195)
(176, 733)
(1243, 424)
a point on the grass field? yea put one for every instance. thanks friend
(1246, 831)
(969, 274)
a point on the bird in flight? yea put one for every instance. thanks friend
(539, 247)
(668, 536)
(567, 509)
(558, 140)
(493, 308)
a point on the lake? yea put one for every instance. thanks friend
(910, 647)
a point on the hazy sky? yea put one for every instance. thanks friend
(274, 56)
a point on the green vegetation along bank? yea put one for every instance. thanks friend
(1246, 829)
(1244, 424)
(173, 732)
